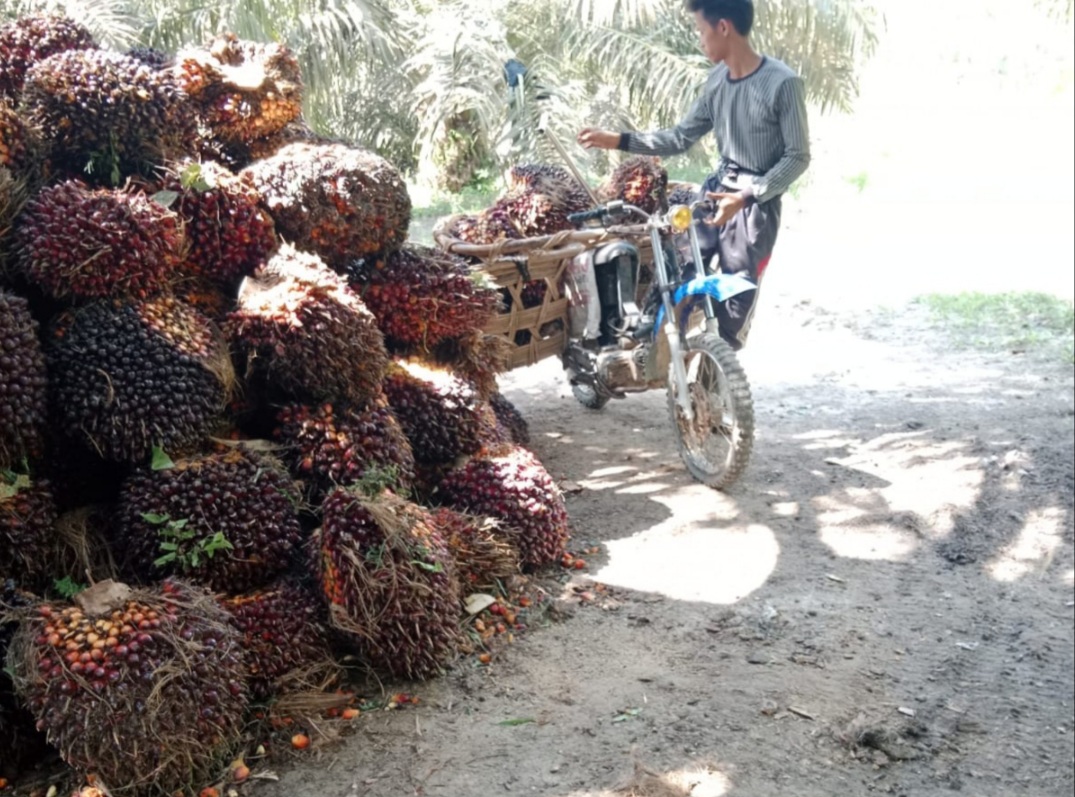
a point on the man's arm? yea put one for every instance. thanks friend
(791, 108)
(674, 140)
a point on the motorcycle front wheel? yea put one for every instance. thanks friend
(715, 445)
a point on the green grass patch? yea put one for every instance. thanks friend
(1028, 321)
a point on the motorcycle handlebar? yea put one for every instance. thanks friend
(586, 215)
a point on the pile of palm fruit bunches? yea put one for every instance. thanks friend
(230, 463)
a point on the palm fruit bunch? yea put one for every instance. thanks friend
(510, 419)
(284, 637)
(335, 200)
(490, 226)
(226, 520)
(106, 113)
(420, 296)
(299, 323)
(21, 742)
(144, 689)
(481, 550)
(515, 488)
(125, 377)
(533, 213)
(31, 39)
(27, 538)
(553, 181)
(639, 181)
(440, 413)
(476, 357)
(13, 139)
(228, 233)
(388, 578)
(339, 444)
(243, 91)
(150, 56)
(79, 242)
(209, 297)
(22, 382)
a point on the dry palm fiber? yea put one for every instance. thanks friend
(127, 377)
(107, 115)
(516, 489)
(338, 201)
(440, 413)
(242, 90)
(339, 444)
(228, 233)
(79, 242)
(299, 323)
(142, 688)
(421, 296)
(476, 358)
(639, 181)
(228, 520)
(28, 40)
(22, 382)
(388, 578)
(482, 552)
(284, 637)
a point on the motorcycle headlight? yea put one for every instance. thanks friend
(680, 218)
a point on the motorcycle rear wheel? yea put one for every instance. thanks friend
(588, 397)
(715, 446)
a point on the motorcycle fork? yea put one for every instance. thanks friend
(708, 305)
(671, 325)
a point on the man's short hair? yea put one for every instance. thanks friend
(738, 12)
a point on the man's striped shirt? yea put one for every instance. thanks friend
(760, 124)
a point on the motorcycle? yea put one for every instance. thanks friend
(612, 351)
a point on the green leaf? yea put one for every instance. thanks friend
(218, 542)
(518, 721)
(67, 587)
(178, 525)
(161, 461)
(165, 198)
(193, 177)
(155, 519)
(437, 568)
(161, 561)
(169, 546)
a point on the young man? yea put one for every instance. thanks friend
(756, 107)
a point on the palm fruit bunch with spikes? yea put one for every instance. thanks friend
(107, 110)
(421, 297)
(143, 688)
(510, 419)
(22, 382)
(299, 323)
(13, 139)
(27, 538)
(284, 637)
(476, 357)
(150, 56)
(340, 444)
(388, 578)
(639, 181)
(683, 193)
(533, 213)
(481, 550)
(553, 181)
(515, 488)
(335, 200)
(32, 39)
(124, 378)
(440, 413)
(243, 91)
(228, 233)
(490, 226)
(227, 520)
(22, 744)
(79, 242)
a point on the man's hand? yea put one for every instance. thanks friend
(727, 206)
(591, 137)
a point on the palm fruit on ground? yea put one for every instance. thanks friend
(21, 743)
(228, 233)
(22, 382)
(228, 520)
(516, 489)
(421, 296)
(242, 90)
(476, 357)
(639, 181)
(339, 444)
(28, 547)
(124, 378)
(106, 114)
(142, 688)
(335, 200)
(79, 242)
(440, 413)
(509, 417)
(31, 39)
(389, 582)
(553, 181)
(481, 550)
(299, 323)
(284, 637)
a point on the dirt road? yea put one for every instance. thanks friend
(883, 605)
